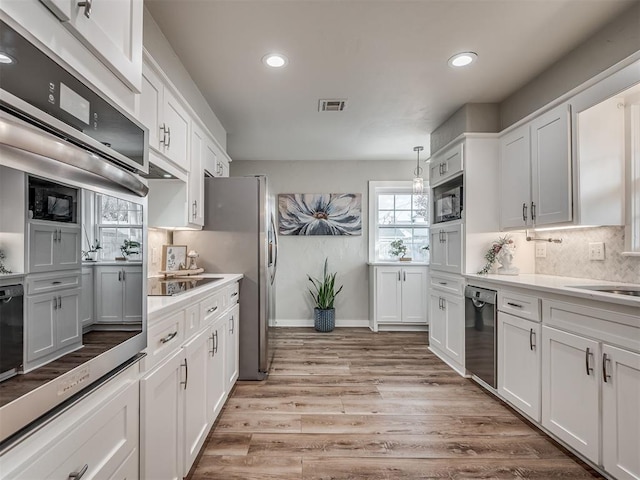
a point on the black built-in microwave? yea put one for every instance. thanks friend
(52, 201)
(448, 202)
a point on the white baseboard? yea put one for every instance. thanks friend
(402, 328)
(458, 368)
(308, 322)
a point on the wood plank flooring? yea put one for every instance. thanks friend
(353, 404)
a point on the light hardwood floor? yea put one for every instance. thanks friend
(353, 404)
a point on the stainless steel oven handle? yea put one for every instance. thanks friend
(15, 133)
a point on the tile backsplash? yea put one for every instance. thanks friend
(157, 237)
(571, 257)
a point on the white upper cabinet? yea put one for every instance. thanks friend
(195, 190)
(110, 29)
(446, 165)
(535, 172)
(166, 118)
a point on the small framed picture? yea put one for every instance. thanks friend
(174, 257)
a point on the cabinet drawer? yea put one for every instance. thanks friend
(446, 283)
(523, 306)
(233, 292)
(105, 442)
(50, 282)
(165, 336)
(211, 307)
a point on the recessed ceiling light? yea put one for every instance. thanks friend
(462, 59)
(6, 58)
(167, 175)
(275, 60)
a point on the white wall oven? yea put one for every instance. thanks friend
(73, 215)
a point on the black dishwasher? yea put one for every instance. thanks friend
(11, 330)
(480, 333)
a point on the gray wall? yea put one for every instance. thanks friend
(300, 256)
(158, 46)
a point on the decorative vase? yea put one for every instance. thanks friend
(324, 320)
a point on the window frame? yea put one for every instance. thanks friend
(99, 226)
(389, 187)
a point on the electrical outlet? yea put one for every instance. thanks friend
(596, 251)
(541, 250)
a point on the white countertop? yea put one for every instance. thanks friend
(11, 275)
(560, 285)
(124, 263)
(157, 305)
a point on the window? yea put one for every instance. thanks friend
(118, 220)
(398, 214)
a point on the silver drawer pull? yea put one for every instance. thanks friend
(78, 475)
(212, 309)
(87, 13)
(443, 283)
(169, 337)
(234, 294)
(605, 375)
(57, 282)
(515, 305)
(586, 361)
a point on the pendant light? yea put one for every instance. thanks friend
(418, 182)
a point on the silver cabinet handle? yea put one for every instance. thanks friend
(234, 294)
(169, 134)
(194, 209)
(124, 275)
(59, 302)
(79, 474)
(532, 335)
(212, 309)
(399, 275)
(55, 303)
(605, 359)
(169, 337)
(87, 13)
(57, 282)
(163, 129)
(212, 351)
(215, 344)
(524, 212)
(444, 304)
(533, 211)
(120, 275)
(186, 374)
(404, 275)
(232, 324)
(443, 283)
(586, 360)
(515, 305)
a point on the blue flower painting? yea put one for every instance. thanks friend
(320, 213)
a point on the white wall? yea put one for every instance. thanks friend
(300, 256)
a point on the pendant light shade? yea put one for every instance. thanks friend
(418, 182)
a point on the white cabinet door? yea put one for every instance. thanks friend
(67, 253)
(210, 161)
(515, 174)
(388, 294)
(86, 297)
(621, 412)
(216, 384)
(570, 390)
(109, 294)
(453, 311)
(151, 105)
(161, 422)
(132, 294)
(41, 335)
(175, 143)
(551, 167)
(112, 30)
(453, 248)
(446, 165)
(196, 418)
(414, 295)
(195, 191)
(232, 348)
(519, 363)
(437, 249)
(68, 326)
(436, 322)
(42, 243)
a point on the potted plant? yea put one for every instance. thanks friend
(399, 249)
(92, 253)
(324, 313)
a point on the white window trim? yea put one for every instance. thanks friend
(375, 188)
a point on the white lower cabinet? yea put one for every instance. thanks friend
(99, 436)
(621, 412)
(190, 354)
(519, 363)
(400, 295)
(119, 294)
(570, 389)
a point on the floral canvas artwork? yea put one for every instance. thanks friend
(174, 257)
(320, 213)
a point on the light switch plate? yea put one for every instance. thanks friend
(596, 251)
(541, 250)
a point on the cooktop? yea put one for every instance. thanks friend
(166, 287)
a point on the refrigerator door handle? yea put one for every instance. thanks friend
(275, 250)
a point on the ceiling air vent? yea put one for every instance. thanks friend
(332, 105)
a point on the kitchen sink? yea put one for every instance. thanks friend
(618, 290)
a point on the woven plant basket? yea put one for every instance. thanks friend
(324, 320)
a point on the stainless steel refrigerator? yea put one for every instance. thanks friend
(240, 236)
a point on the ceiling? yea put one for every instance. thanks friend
(388, 58)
